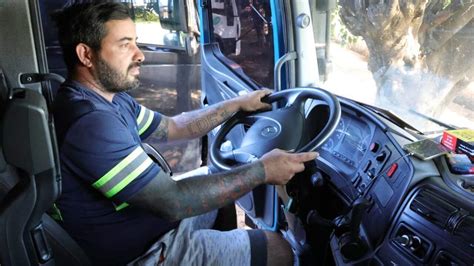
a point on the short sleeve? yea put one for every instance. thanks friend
(147, 121)
(100, 149)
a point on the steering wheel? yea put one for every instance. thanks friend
(281, 128)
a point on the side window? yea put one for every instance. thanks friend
(242, 28)
(149, 29)
(169, 77)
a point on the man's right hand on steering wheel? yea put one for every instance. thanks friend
(280, 166)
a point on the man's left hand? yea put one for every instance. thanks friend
(253, 101)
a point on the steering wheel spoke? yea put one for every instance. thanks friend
(227, 155)
(250, 119)
(240, 155)
(296, 99)
(243, 156)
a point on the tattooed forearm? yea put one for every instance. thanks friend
(161, 133)
(200, 122)
(175, 200)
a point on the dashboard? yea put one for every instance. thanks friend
(350, 141)
(413, 211)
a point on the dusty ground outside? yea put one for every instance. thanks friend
(240, 217)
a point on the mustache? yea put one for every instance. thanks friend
(136, 64)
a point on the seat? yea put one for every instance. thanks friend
(5, 183)
(30, 184)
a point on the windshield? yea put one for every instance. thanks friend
(410, 57)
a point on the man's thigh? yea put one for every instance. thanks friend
(210, 247)
(194, 243)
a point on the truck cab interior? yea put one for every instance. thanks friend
(363, 83)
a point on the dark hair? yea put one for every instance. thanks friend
(84, 22)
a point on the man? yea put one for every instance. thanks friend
(116, 202)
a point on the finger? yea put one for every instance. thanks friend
(305, 156)
(277, 150)
(299, 167)
(266, 106)
(261, 96)
(288, 179)
(266, 91)
(264, 98)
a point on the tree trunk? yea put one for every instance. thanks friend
(420, 52)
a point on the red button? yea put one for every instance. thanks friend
(392, 169)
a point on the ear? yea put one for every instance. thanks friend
(84, 53)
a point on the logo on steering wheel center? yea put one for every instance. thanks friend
(269, 131)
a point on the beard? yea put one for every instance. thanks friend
(112, 80)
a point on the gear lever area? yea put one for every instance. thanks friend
(346, 229)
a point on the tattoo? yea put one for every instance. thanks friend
(192, 196)
(226, 114)
(203, 124)
(161, 133)
(202, 121)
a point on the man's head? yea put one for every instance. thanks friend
(99, 39)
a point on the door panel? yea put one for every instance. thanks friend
(226, 75)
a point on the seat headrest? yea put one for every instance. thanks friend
(26, 138)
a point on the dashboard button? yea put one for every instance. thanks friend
(371, 173)
(356, 182)
(374, 147)
(354, 178)
(370, 198)
(381, 157)
(367, 166)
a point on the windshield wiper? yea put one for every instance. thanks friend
(391, 117)
(434, 120)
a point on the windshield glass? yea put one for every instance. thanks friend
(410, 57)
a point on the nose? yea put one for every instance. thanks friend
(138, 56)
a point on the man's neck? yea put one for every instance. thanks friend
(91, 83)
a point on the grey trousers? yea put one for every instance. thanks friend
(194, 243)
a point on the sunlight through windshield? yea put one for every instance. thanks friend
(410, 58)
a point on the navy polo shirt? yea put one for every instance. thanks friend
(103, 165)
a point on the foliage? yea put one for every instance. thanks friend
(339, 31)
(145, 15)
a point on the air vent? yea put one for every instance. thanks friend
(433, 208)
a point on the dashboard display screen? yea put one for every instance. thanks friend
(349, 141)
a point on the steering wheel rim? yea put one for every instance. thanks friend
(295, 99)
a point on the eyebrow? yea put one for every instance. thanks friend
(127, 39)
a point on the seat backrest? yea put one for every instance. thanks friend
(29, 154)
(27, 147)
(12, 221)
(7, 176)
